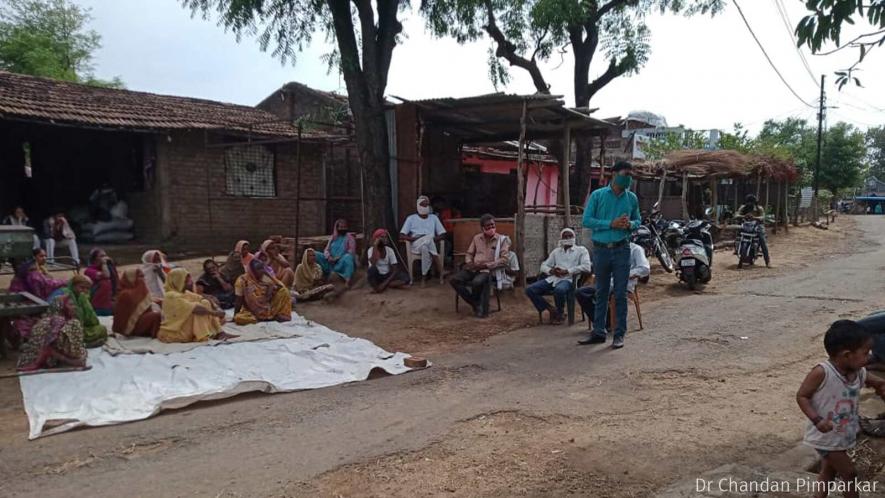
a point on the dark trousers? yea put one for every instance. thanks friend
(542, 287)
(473, 287)
(611, 265)
(375, 278)
(586, 297)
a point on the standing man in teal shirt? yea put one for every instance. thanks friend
(612, 214)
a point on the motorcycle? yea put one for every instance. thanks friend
(746, 245)
(648, 236)
(695, 254)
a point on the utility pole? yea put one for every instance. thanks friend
(820, 120)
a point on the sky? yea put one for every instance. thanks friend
(702, 72)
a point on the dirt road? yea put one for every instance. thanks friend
(710, 381)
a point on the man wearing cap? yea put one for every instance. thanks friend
(564, 262)
(612, 213)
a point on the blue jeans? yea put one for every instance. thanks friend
(541, 288)
(611, 264)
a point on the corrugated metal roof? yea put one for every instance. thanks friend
(496, 116)
(42, 99)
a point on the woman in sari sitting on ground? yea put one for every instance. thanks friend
(339, 258)
(135, 313)
(103, 273)
(214, 286)
(187, 316)
(309, 281)
(278, 264)
(237, 261)
(32, 276)
(260, 297)
(154, 267)
(94, 333)
(56, 339)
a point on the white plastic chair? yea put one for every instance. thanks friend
(411, 258)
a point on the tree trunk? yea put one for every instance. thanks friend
(581, 179)
(372, 142)
(365, 75)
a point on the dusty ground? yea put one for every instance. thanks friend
(527, 413)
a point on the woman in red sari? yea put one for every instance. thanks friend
(135, 313)
(103, 274)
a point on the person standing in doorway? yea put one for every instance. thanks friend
(612, 213)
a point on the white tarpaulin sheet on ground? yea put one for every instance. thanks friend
(129, 387)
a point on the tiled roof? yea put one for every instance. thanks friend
(42, 99)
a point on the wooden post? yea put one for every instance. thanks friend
(661, 187)
(758, 185)
(566, 192)
(777, 206)
(297, 193)
(685, 195)
(520, 196)
(714, 198)
(787, 207)
(736, 201)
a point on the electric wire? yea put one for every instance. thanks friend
(776, 70)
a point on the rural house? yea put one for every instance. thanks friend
(194, 172)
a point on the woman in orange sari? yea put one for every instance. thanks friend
(135, 313)
(187, 316)
(260, 297)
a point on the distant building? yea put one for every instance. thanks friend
(872, 186)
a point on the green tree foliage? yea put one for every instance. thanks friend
(365, 33)
(657, 148)
(843, 160)
(826, 22)
(843, 157)
(525, 32)
(49, 38)
(876, 151)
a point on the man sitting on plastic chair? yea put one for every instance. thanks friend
(563, 263)
(488, 254)
(423, 230)
(640, 269)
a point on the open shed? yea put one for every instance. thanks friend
(715, 178)
(429, 138)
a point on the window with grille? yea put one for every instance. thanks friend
(249, 170)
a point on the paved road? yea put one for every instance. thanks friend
(258, 445)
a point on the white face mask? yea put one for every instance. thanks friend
(567, 242)
(423, 210)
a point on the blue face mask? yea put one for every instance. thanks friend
(623, 181)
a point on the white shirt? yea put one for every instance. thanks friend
(416, 226)
(639, 266)
(576, 260)
(384, 263)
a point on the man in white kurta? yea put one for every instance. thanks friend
(564, 262)
(423, 229)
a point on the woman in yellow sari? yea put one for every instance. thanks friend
(187, 316)
(309, 281)
(260, 297)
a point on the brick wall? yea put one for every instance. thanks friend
(199, 213)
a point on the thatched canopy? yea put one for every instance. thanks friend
(719, 164)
